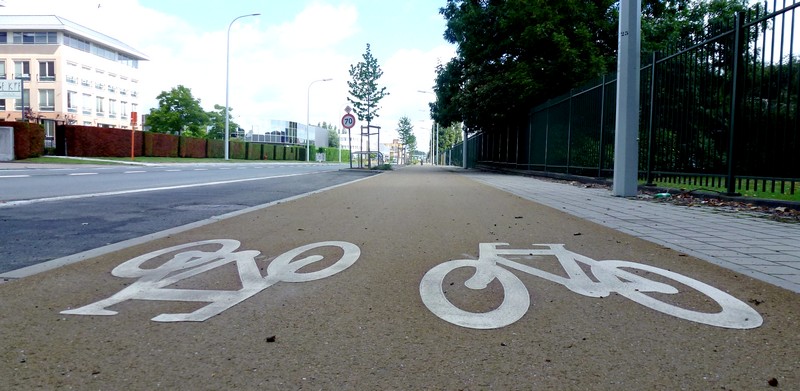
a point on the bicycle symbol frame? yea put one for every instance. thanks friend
(609, 275)
(153, 283)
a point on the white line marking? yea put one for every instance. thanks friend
(121, 192)
(14, 176)
(200, 169)
(133, 172)
(96, 252)
(174, 170)
(82, 173)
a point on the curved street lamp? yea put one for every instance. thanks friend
(308, 115)
(227, 78)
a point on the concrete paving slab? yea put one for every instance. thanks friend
(367, 326)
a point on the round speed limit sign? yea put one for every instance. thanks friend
(348, 121)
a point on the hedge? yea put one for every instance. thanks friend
(28, 139)
(160, 145)
(72, 140)
(193, 147)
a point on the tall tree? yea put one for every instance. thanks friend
(179, 113)
(364, 91)
(513, 54)
(333, 134)
(216, 121)
(406, 133)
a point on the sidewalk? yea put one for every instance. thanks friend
(757, 247)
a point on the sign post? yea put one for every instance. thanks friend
(348, 121)
(133, 128)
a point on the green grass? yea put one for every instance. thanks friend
(145, 159)
(777, 195)
(139, 159)
(55, 160)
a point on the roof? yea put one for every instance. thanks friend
(57, 23)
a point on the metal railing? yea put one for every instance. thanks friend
(722, 111)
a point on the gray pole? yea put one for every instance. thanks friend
(227, 78)
(464, 150)
(626, 148)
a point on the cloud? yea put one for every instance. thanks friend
(273, 61)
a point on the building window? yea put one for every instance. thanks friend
(47, 71)
(26, 97)
(72, 101)
(124, 110)
(99, 107)
(3, 37)
(22, 69)
(2, 69)
(112, 108)
(2, 105)
(35, 37)
(47, 100)
(87, 104)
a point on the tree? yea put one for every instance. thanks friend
(364, 87)
(406, 133)
(514, 54)
(178, 113)
(216, 120)
(333, 134)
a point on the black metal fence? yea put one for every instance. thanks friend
(722, 112)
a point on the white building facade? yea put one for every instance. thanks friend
(70, 73)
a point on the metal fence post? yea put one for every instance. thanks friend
(602, 127)
(650, 125)
(736, 98)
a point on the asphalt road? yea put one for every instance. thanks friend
(84, 212)
(78, 180)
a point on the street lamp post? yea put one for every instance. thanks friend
(227, 78)
(308, 120)
(434, 136)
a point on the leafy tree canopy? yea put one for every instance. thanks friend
(405, 130)
(515, 54)
(216, 121)
(333, 134)
(179, 113)
(364, 91)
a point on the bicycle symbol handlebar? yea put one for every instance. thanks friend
(610, 278)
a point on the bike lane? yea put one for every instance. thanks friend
(358, 318)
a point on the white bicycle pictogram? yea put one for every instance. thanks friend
(609, 275)
(153, 283)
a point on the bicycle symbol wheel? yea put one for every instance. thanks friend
(735, 314)
(516, 299)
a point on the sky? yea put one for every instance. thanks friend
(275, 57)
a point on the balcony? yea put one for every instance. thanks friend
(46, 78)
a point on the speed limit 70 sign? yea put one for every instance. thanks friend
(348, 121)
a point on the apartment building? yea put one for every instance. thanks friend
(71, 74)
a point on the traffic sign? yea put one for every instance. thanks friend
(348, 121)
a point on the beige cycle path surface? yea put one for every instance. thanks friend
(366, 327)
